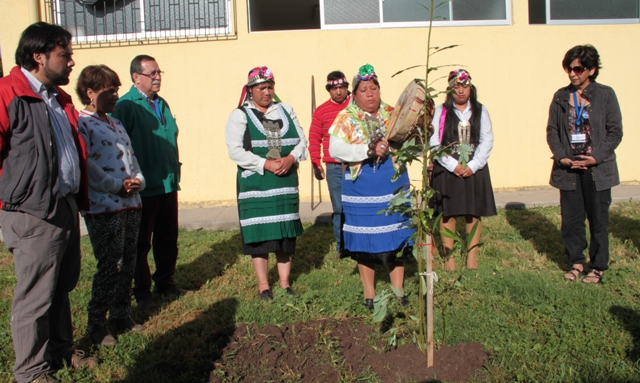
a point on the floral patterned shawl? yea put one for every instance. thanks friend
(350, 126)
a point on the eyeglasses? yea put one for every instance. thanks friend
(153, 74)
(463, 86)
(578, 70)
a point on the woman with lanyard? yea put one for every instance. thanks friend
(266, 142)
(584, 129)
(462, 190)
(116, 207)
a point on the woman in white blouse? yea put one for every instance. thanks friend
(266, 142)
(462, 189)
(115, 210)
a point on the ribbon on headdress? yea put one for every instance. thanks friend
(366, 72)
(257, 75)
(459, 77)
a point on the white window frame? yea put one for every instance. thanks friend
(416, 24)
(152, 35)
(585, 21)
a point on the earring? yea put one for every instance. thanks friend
(92, 104)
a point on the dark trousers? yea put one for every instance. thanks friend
(114, 238)
(158, 229)
(575, 205)
(47, 265)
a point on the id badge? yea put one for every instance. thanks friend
(578, 138)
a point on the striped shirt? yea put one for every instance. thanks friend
(319, 136)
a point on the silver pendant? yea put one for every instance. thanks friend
(273, 154)
(464, 132)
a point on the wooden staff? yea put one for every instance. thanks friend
(430, 283)
(313, 108)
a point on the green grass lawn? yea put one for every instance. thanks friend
(536, 326)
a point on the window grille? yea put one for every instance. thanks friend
(133, 22)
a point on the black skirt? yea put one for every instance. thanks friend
(286, 245)
(456, 196)
(385, 258)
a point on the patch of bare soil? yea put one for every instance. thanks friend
(331, 350)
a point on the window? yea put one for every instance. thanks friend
(583, 12)
(351, 14)
(129, 21)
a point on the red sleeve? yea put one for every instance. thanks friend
(4, 122)
(315, 140)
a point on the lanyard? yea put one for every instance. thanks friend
(156, 103)
(578, 111)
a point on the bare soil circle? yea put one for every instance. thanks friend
(332, 350)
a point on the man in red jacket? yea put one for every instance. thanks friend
(322, 119)
(43, 184)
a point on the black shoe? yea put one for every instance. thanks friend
(103, 338)
(173, 290)
(368, 303)
(126, 323)
(266, 295)
(147, 304)
(404, 300)
(292, 292)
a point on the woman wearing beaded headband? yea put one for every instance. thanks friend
(265, 140)
(357, 138)
(462, 190)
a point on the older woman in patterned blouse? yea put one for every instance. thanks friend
(114, 216)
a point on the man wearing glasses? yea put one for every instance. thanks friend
(321, 121)
(153, 131)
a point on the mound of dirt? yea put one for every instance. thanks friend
(331, 350)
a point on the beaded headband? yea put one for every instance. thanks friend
(338, 81)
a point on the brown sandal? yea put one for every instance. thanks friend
(595, 276)
(572, 276)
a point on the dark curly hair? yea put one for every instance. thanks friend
(588, 56)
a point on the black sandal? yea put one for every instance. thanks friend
(595, 276)
(574, 276)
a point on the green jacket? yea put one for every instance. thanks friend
(155, 144)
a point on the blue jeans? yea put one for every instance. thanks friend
(334, 181)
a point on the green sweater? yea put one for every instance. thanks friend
(154, 143)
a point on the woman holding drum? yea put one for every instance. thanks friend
(357, 138)
(462, 190)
